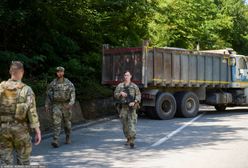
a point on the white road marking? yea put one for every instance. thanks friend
(162, 140)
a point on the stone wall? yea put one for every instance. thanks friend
(82, 112)
(97, 108)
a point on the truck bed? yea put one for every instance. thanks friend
(166, 67)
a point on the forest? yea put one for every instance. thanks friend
(48, 33)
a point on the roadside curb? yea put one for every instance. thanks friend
(84, 125)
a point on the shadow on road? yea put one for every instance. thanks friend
(102, 145)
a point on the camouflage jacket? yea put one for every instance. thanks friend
(60, 91)
(132, 89)
(17, 102)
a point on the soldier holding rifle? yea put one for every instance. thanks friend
(128, 95)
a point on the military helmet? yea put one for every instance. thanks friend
(60, 68)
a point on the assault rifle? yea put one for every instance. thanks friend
(127, 99)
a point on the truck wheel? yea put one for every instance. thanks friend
(165, 106)
(220, 107)
(187, 104)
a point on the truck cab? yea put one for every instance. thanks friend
(239, 70)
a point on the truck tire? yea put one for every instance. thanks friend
(165, 106)
(187, 104)
(220, 107)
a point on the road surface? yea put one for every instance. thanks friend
(210, 140)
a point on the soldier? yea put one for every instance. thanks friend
(61, 97)
(17, 115)
(129, 98)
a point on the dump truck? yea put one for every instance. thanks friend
(174, 81)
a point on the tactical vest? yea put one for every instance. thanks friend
(130, 90)
(12, 104)
(61, 92)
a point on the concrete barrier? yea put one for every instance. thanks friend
(82, 112)
(98, 108)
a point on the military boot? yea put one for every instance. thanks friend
(55, 143)
(131, 143)
(128, 141)
(68, 139)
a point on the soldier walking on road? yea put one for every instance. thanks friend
(129, 98)
(17, 115)
(61, 98)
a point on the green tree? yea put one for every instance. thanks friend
(124, 22)
(47, 33)
(185, 23)
(238, 11)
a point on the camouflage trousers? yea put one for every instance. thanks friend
(60, 114)
(15, 137)
(129, 120)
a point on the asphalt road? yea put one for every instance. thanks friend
(211, 140)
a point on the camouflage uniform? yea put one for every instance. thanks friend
(60, 94)
(127, 114)
(17, 114)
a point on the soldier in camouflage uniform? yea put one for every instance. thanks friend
(17, 115)
(129, 97)
(61, 98)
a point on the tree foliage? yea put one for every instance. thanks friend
(48, 33)
(211, 23)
